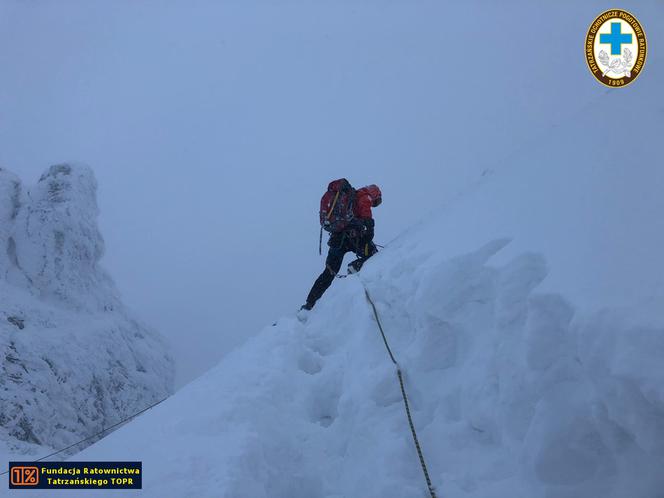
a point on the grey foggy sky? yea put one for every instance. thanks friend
(213, 128)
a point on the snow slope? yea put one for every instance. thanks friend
(527, 317)
(512, 395)
(73, 360)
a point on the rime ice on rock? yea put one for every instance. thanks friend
(58, 244)
(73, 360)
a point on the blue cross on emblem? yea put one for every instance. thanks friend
(615, 38)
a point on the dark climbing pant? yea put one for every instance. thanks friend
(340, 244)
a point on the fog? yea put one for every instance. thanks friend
(214, 127)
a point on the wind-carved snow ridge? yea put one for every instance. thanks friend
(73, 360)
(514, 394)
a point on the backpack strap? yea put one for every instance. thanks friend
(334, 203)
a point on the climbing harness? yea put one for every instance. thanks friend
(432, 491)
(97, 434)
(357, 252)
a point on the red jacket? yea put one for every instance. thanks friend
(366, 198)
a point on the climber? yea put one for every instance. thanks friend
(346, 214)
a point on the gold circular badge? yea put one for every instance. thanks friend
(616, 48)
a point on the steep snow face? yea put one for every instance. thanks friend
(514, 393)
(73, 360)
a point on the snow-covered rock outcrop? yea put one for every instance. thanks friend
(73, 360)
